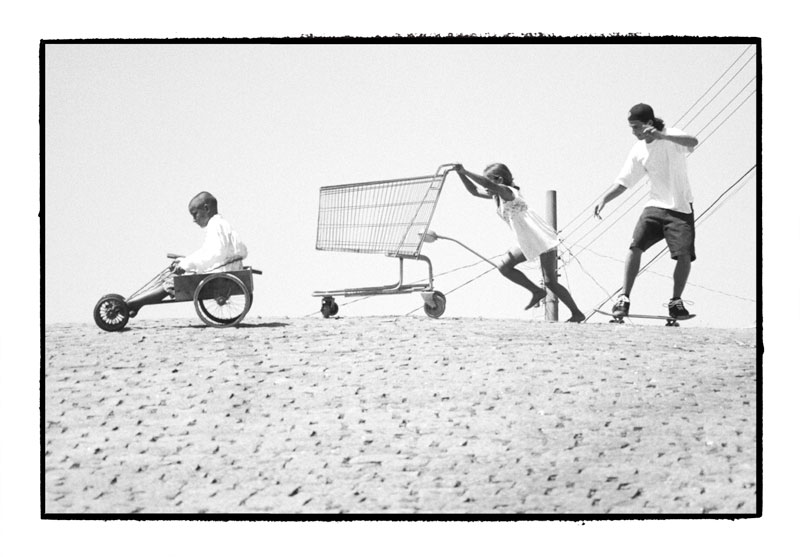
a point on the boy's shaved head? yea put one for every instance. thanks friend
(203, 207)
(204, 198)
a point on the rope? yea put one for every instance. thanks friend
(618, 260)
(587, 272)
(664, 250)
(638, 188)
(450, 271)
(574, 257)
(466, 266)
(460, 286)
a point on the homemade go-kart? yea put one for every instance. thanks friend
(221, 299)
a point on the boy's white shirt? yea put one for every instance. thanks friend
(664, 162)
(221, 244)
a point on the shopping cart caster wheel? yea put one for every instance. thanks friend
(435, 304)
(329, 308)
(111, 313)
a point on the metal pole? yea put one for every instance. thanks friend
(551, 302)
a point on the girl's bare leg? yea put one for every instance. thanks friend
(549, 262)
(508, 269)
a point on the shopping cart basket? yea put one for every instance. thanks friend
(390, 217)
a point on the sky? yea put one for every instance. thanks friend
(574, 150)
(133, 131)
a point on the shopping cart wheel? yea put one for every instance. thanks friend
(438, 303)
(329, 307)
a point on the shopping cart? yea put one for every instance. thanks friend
(390, 217)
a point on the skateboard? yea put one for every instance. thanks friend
(671, 321)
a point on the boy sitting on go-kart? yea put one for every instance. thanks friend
(221, 251)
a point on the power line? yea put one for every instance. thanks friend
(720, 91)
(727, 117)
(611, 225)
(677, 122)
(726, 191)
(641, 185)
(701, 130)
(708, 211)
(713, 84)
(663, 250)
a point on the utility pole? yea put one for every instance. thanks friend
(551, 302)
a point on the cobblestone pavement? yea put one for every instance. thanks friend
(399, 415)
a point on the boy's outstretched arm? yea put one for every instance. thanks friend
(613, 192)
(683, 139)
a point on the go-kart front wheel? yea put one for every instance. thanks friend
(111, 313)
(222, 300)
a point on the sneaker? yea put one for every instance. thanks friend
(676, 308)
(621, 306)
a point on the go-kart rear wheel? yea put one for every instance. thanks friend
(438, 307)
(222, 300)
(111, 313)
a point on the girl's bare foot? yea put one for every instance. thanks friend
(537, 297)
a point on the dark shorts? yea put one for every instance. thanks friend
(676, 228)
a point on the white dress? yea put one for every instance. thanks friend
(534, 236)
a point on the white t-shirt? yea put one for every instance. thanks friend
(221, 245)
(665, 163)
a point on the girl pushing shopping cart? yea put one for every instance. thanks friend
(392, 217)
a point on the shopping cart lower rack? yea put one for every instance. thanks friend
(389, 217)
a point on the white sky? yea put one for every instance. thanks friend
(134, 131)
(25, 24)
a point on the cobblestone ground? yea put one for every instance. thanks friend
(399, 415)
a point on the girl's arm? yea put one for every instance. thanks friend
(472, 189)
(495, 189)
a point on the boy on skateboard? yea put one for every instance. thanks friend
(660, 153)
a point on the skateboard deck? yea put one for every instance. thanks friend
(671, 321)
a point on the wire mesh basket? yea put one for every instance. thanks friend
(388, 217)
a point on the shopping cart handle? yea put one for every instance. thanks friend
(429, 236)
(445, 168)
(174, 256)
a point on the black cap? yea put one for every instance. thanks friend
(641, 112)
